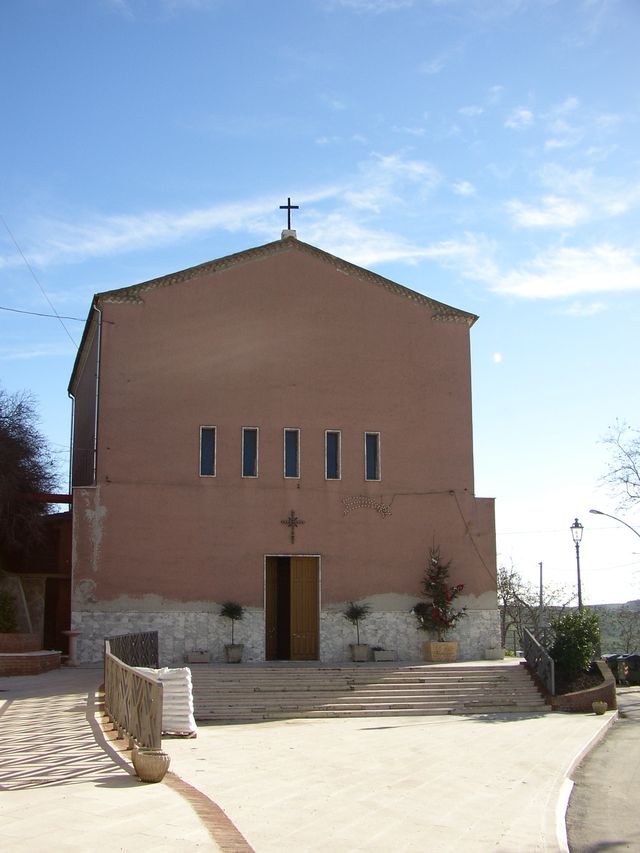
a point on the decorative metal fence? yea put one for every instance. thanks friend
(133, 701)
(136, 649)
(540, 661)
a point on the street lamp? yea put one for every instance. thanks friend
(576, 532)
(619, 520)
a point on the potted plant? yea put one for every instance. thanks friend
(357, 613)
(234, 612)
(437, 614)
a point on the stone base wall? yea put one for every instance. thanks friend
(181, 632)
(396, 630)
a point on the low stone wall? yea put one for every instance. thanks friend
(29, 663)
(581, 700)
(182, 632)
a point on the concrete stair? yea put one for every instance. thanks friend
(278, 691)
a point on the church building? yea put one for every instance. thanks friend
(284, 429)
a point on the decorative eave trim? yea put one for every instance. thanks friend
(134, 293)
(90, 329)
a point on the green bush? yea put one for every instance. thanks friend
(575, 639)
(8, 621)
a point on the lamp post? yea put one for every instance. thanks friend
(576, 532)
(619, 520)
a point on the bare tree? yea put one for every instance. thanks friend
(520, 607)
(623, 474)
(26, 470)
(622, 628)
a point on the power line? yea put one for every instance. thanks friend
(35, 278)
(38, 314)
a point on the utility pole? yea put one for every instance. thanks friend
(540, 564)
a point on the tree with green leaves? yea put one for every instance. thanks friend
(576, 636)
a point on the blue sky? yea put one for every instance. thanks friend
(484, 152)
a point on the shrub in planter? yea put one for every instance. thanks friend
(234, 612)
(357, 613)
(437, 614)
(575, 638)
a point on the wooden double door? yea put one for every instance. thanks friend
(292, 605)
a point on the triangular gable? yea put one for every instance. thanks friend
(133, 293)
(289, 243)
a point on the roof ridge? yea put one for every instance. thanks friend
(131, 293)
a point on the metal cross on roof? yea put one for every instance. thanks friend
(289, 207)
(292, 521)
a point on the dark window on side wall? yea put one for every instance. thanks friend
(292, 453)
(372, 455)
(207, 451)
(332, 454)
(249, 452)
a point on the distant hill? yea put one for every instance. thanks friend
(619, 627)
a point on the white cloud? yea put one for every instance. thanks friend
(463, 188)
(519, 119)
(565, 272)
(553, 211)
(335, 103)
(375, 7)
(471, 111)
(433, 66)
(21, 351)
(131, 8)
(577, 197)
(380, 182)
(411, 131)
(569, 105)
(580, 309)
(497, 358)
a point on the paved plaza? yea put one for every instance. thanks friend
(488, 782)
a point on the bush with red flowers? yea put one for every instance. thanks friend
(437, 614)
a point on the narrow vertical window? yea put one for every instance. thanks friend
(249, 452)
(207, 451)
(372, 455)
(332, 454)
(292, 453)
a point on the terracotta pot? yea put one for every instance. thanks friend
(599, 707)
(440, 652)
(150, 764)
(233, 653)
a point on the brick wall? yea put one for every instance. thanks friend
(20, 643)
(581, 700)
(29, 663)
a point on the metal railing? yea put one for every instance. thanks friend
(133, 701)
(136, 649)
(540, 661)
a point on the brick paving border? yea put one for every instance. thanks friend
(219, 826)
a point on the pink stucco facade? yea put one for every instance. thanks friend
(280, 337)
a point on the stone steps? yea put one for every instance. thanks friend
(265, 692)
